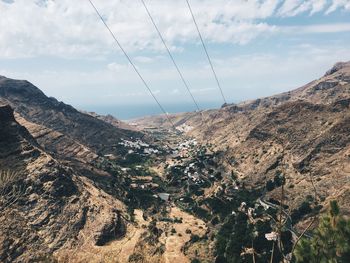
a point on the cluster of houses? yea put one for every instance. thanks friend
(188, 144)
(192, 174)
(138, 146)
(184, 128)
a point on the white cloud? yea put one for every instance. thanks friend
(145, 59)
(68, 28)
(202, 91)
(338, 4)
(116, 67)
(318, 28)
(242, 77)
(297, 7)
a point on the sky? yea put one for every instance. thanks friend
(258, 48)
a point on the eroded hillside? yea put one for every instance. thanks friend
(88, 188)
(304, 133)
(47, 207)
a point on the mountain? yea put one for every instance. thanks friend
(304, 133)
(81, 187)
(113, 121)
(58, 126)
(78, 187)
(47, 207)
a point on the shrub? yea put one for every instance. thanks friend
(330, 242)
(279, 179)
(194, 238)
(7, 177)
(215, 220)
(270, 185)
(136, 257)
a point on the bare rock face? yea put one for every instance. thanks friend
(113, 229)
(338, 66)
(47, 207)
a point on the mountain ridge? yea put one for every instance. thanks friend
(52, 206)
(296, 132)
(90, 194)
(71, 125)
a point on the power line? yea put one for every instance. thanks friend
(206, 51)
(132, 64)
(170, 55)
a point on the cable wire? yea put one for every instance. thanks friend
(132, 64)
(206, 51)
(170, 55)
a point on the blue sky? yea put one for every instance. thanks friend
(258, 48)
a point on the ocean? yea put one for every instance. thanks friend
(128, 112)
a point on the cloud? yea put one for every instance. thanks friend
(290, 8)
(115, 67)
(69, 29)
(318, 28)
(202, 91)
(296, 7)
(241, 76)
(338, 4)
(144, 59)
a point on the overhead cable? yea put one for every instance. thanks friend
(206, 52)
(133, 65)
(170, 55)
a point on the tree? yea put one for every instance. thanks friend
(270, 185)
(279, 179)
(330, 241)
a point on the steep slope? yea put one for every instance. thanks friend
(46, 207)
(304, 133)
(56, 123)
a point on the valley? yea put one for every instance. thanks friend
(81, 187)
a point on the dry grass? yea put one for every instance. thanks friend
(9, 191)
(7, 177)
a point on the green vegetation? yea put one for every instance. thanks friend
(303, 210)
(330, 241)
(277, 181)
(144, 199)
(136, 257)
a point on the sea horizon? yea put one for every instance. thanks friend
(130, 112)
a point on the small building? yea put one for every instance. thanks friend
(164, 196)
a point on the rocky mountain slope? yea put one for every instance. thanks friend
(305, 133)
(77, 187)
(47, 207)
(58, 126)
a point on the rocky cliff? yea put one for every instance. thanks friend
(46, 207)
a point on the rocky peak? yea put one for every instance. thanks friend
(18, 87)
(338, 66)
